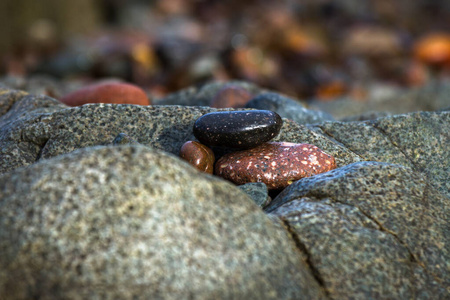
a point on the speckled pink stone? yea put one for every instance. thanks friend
(276, 164)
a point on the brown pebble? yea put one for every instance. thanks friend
(231, 96)
(107, 92)
(276, 164)
(198, 155)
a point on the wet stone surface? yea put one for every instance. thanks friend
(237, 129)
(276, 164)
(198, 155)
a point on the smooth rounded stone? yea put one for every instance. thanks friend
(124, 139)
(231, 96)
(107, 92)
(276, 164)
(132, 222)
(382, 227)
(288, 108)
(198, 155)
(258, 192)
(201, 96)
(237, 129)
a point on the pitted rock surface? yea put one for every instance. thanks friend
(275, 164)
(288, 108)
(237, 129)
(381, 227)
(125, 222)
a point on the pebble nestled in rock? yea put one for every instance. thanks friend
(231, 96)
(277, 164)
(198, 155)
(237, 129)
(107, 92)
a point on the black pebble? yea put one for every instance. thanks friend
(237, 129)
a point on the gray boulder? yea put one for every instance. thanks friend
(371, 231)
(202, 96)
(125, 222)
(288, 108)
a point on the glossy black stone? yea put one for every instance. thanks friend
(237, 129)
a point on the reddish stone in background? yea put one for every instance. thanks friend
(231, 96)
(198, 155)
(107, 92)
(433, 50)
(276, 164)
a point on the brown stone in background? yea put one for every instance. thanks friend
(231, 96)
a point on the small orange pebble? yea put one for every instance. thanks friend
(107, 92)
(433, 49)
(198, 155)
(331, 90)
(231, 96)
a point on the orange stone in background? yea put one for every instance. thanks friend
(331, 90)
(231, 96)
(433, 50)
(107, 92)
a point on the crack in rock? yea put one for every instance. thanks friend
(380, 130)
(332, 138)
(302, 248)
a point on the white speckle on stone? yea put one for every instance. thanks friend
(273, 164)
(267, 157)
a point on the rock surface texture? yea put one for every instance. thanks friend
(380, 226)
(96, 203)
(276, 164)
(133, 222)
(237, 129)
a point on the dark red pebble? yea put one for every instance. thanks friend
(198, 155)
(107, 92)
(276, 164)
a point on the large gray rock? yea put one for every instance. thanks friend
(36, 127)
(418, 140)
(385, 99)
(371, 230)
(125, 222)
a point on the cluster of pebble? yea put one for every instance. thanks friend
(276, 164)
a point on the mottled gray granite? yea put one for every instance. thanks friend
(128, 222)
(371, 230)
